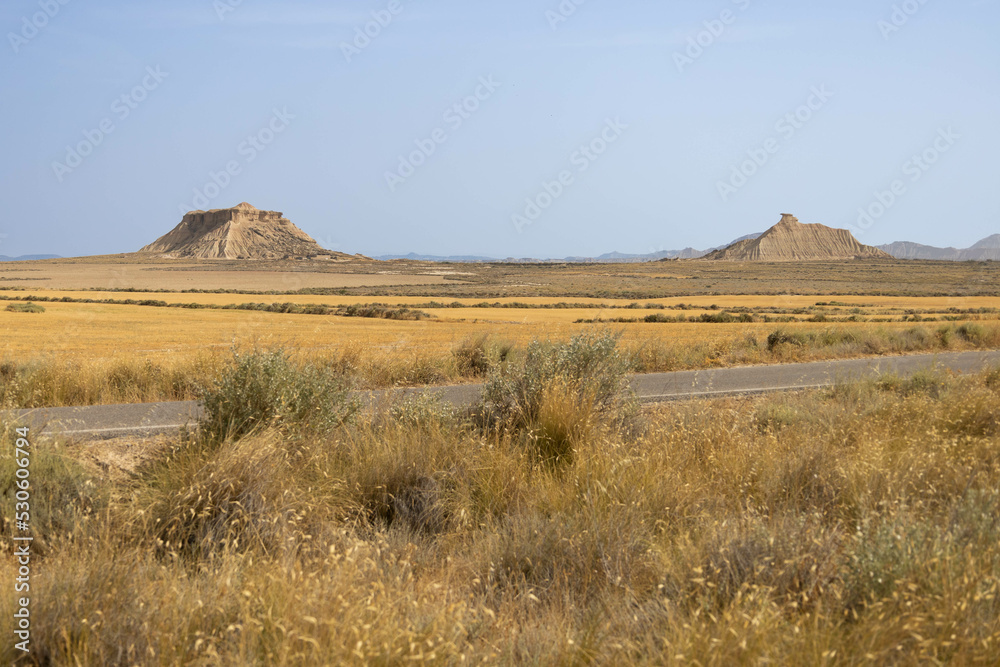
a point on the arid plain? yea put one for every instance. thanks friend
(400, 322)
(556, 523)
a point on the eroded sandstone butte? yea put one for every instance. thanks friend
(791, 240)
(241, 232)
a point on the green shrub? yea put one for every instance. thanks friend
(559, 391)
(261, 388)
(378, 311)
(973, 333)
(658, 318)
(25, 308)
(717, 318)
(592, 362)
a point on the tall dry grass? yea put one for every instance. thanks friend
(52, 382)
(853, 525)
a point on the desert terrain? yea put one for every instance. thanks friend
(716, 527)
(706, 527)
(400, 323)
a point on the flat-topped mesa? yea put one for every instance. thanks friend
(791, 240)
(241, 232)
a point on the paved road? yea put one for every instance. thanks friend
(105, 421)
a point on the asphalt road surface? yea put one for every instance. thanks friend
(108, 421)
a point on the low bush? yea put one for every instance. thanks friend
(972, 332)
(28, 307)
(378, 311)
(262, 388)
(719, 318)
(783, 337)
(559, 390)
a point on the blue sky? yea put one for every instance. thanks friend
(660, 142)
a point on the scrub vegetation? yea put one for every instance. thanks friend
(557, 523)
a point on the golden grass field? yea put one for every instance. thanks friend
(99, 331)
(104, 349)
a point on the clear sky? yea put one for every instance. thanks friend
(643, 108)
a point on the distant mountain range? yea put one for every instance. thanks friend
(609, 258)
(437, 258)
(988, 248)
(27, 258)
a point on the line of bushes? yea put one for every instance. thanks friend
(378, 311)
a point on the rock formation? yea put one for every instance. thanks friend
(790, 240)
(242, 232)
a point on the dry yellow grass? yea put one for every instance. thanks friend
(82, 354)
(794, 530)
(702, 302)
(92, 352)
(99, 331)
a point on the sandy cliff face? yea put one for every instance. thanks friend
(242, 232)
(790, 240)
